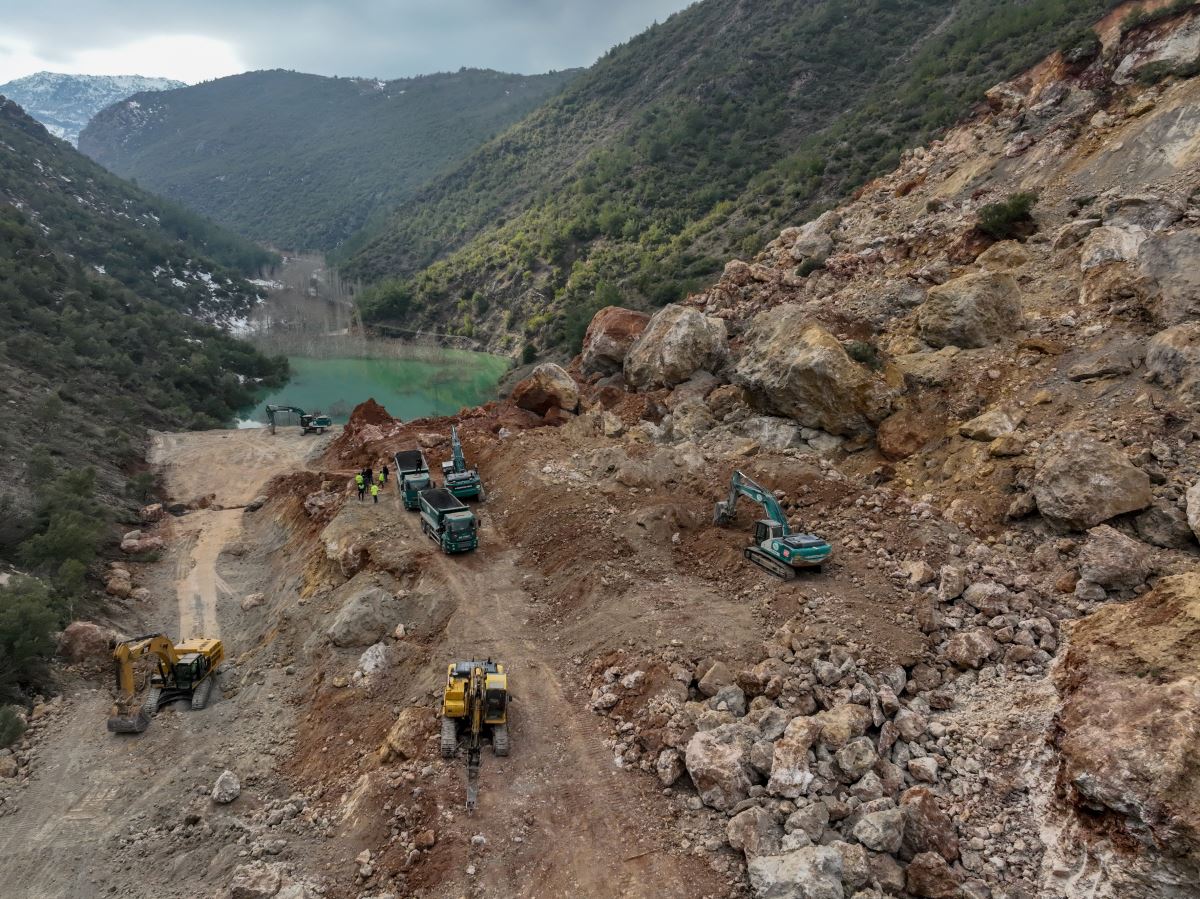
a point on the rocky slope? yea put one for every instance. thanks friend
(66, 103)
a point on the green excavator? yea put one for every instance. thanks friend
(309, 422)
(776, 548)
(463, 482)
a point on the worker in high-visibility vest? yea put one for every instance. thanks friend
(375, 492)
(383, 477)
(361, 483)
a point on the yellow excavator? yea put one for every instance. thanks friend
(475, 703)
(184, 671)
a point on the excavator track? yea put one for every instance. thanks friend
(201, 694)
(150, 705)
(769, 564)
(500, 740)
(449, 738)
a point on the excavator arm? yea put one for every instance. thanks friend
(741, 485)
(130, 651)
(456, 451)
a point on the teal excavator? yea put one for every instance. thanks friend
(309, 422)
(776, 548)
(463, 482)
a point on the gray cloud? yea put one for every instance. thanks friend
(378, 38)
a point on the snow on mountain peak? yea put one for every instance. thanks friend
(66, 103)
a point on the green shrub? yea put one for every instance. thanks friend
(808, 266)
(864, 353)
(1009, 218)
(1082, 46)
(11, 726)
(529, 354)
(29, 614)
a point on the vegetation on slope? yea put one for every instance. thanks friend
(303, 161)
(688, 145)
(86, 365)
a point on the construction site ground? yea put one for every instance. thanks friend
(574, 568)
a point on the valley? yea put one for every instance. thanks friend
(949, 391)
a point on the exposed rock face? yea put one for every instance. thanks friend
(362, 620)
(1165, 525)
(972, 311)
(1128, 732)
(227, 788)
(1081, 482)
(547, 387)
(814, 872)
(794, 367)
(676, 341)
(609, 338)
(84, 641)
(1173, 260)
(1173, 360)
(1109, 244)
(1193, 509)
(903, 433)
(718, 761)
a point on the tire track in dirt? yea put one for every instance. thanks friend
(588, 838)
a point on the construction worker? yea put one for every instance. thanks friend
(361, 483)
(382, 478)
(375, 492)
(385, 473)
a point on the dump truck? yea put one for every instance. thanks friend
(474, 705)
(448, 521)
(412, 477)
(776, 547)
(183, 671)
(463, 482)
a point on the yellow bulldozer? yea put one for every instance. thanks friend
(184, 671)
(475, 704)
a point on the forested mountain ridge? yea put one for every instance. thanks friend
(149, 245)
(691, 143)
(304, 161)
(66, 103)
(95, 346)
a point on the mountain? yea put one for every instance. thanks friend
(304, 161)
(66, 103)
(107, 302)
(693, 142)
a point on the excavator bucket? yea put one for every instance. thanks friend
(128, 724)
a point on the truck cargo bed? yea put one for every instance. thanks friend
(409, 461)
(442, 500)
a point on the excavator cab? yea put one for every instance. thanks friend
(765, 529)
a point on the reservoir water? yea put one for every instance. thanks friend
(437, 382)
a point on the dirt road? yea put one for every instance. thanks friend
(589, 828)
(90, 789)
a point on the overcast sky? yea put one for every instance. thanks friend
(202, 39)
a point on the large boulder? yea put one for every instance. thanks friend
(926, 827)
(754, 831)
(794, 367)
(814, 872)
(675, 343)
(84, 641)
(1173, 360)
(1110, 244)
(609, 338)
(547, 387)
(1080, 482)
(1173, 260)
(408, 736)
(256, 880)
(881, 831)
(904, 433)
(1127, 733)
(363, 619)
(1111, 559)
(718, 762)
(790, 774)
(971, 311)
